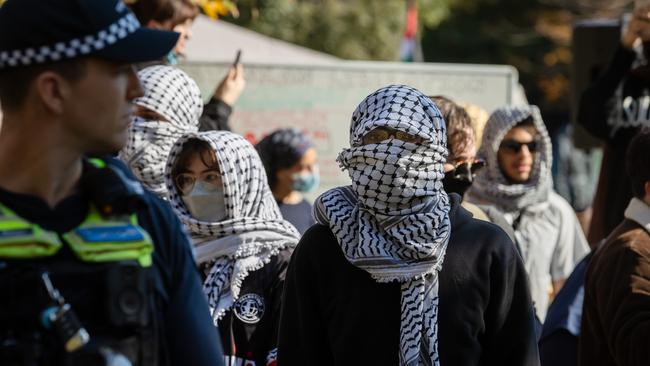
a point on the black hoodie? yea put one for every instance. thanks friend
(335, 314)
(614, 109)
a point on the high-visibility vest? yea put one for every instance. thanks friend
(97, 239)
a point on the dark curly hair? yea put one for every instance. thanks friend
(282, 149)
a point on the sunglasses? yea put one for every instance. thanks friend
(514, 147)
(466, 169)
(380, 134)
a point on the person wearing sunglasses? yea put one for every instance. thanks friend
(218, 188)
(396, 272)
(462, 163)
(518, 182)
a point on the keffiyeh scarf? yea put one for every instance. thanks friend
(172, 94)
(393, 221)
(491, 185)
(253, 231)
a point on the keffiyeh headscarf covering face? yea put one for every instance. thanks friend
(491, 185)
(393, 221)
(253, 230)
(172, 94)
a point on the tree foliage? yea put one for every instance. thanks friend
(352, 29)
(506, 32)
(218, 8)
(532, 35)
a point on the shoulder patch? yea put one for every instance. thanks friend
(249, 308)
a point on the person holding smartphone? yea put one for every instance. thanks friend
(178, 16)
(396, 272)
(217, 111)
(614, 108)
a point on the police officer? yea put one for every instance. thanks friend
(93, 269)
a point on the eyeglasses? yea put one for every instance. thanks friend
(468, 168)
(380, 134)
(185, 181)
(514, 146)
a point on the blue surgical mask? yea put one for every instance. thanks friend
(172, 58)
(306, 182)
(206, 202)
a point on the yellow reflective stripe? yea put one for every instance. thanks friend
(99, 163)
(48, 236)
(8, 224)
(6, 211)
(35, 242)
(26, 248)
(112, 251)
(142, 255)
(105, 246)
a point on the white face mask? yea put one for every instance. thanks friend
(206, 202)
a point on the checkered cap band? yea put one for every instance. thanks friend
(72, 48)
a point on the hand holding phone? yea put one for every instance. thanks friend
(233, 83)
(237, 57)
(637, 29)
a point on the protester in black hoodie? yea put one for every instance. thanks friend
(396, 272)
(614, 109)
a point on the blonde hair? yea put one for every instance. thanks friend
(479, 117)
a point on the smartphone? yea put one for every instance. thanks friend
(237, 57)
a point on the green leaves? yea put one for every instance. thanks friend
(354, 29)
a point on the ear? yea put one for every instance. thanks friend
(53, 91)
(153, 24)
(158, 25)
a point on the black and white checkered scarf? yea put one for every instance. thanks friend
(254, 230)
(491, 185)
(175, 96)
(393, 221)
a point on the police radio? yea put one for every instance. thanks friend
(61, 318)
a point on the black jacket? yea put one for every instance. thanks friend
(186, 333)
(611, 109)
(252, 333)
(215, 116)
(335, 314)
